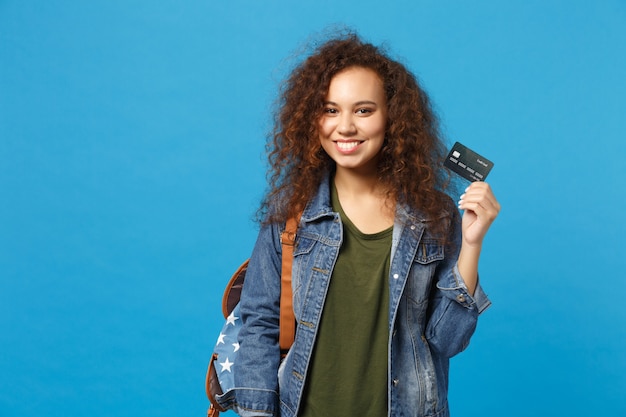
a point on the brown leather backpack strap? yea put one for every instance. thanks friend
(287, 317)
(213, 388)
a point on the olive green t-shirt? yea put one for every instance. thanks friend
(348, 369)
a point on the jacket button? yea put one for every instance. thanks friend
(460, 298)
(395, 382)
(396, 276)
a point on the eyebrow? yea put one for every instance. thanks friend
(358, 103)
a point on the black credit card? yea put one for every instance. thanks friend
(467, 163)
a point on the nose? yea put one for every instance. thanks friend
(346, 125)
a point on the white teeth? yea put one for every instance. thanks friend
(346, 146)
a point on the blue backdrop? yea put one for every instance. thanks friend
(131, 163)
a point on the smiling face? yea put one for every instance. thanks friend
(352, 127)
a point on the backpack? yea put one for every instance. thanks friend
(219, 377)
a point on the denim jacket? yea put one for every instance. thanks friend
(431, 314)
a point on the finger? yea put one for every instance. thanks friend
(479, 188)
(478, 218)
(477, 196)
(482, 193)
(488, 193)
(482, 208)
(484, 201)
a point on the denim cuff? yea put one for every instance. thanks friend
(253, 402)
(454, 288)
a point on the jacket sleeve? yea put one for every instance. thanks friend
(256, 368)
(453, 311)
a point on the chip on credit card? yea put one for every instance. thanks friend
(467, 163)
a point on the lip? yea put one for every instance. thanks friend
(348, 146)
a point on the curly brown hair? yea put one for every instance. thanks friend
(410, 167)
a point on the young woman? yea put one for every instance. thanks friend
(385, 281)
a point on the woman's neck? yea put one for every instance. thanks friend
(355, 184)
(364, 200)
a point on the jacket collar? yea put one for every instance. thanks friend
(320, 206)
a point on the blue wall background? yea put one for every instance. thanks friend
(131, 163)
